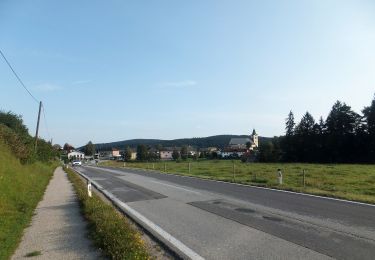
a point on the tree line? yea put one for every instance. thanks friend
(343, 137)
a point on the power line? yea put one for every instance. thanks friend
(28, 91)
(15, 74)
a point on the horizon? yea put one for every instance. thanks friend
(139, 70)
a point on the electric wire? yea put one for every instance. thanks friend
(28, 91)
(18, 78)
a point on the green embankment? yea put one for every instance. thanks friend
(110, 230)
(346, 181)
(21, 188)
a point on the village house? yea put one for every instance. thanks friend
(239, 146)
(167, 153)
(76, 155)
(115, 153)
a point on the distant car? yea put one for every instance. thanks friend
(76, 163)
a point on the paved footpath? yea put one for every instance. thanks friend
(58, 229)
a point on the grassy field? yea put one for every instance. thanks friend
(21, 188)
(110, 230)
(346, 181)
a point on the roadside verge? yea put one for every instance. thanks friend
(170, 242)
(109, 230)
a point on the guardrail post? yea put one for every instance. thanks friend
(280, 176)
(89, 189)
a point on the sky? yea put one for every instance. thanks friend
(117, 70)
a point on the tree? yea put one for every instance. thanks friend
(175, 154)
(68, 147)
(342, 120)
(142, 153)
(248, 145)
(341, 126)
(369, 136)
(127, 154)
(269, 151)
(288, 142)
(306, 126)
(89, 149)
(184, 152)
(14, 122)
(369, 117)
(305, 140)
(289, 124)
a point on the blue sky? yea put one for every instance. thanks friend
(116, 70)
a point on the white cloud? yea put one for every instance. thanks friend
(47, 87)
(179, 84)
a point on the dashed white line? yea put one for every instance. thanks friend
(176, 187)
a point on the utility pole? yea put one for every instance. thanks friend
(37, 125)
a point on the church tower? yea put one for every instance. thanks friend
(254, 138)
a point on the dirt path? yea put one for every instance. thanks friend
(58, 230)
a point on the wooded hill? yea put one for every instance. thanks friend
(219, 141)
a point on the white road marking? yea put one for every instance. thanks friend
(148, 223)
(177, 187)
(263, 188)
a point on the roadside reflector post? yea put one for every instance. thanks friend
(280, 176)
(89, 188)
(124, 164)
(304, 178)
(153, 166)
(234, 172)
(165, 167)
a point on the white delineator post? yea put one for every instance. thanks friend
(89, 189)
(280, 176)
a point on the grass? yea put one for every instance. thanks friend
(109, 229)
(346, 181)
(21, 188)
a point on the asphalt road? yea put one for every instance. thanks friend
(226, 221)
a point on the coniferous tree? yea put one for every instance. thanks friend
(341, 124)
(142, 153)
(288, 142)
(89, 149)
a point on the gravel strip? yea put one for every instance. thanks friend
(58, 230)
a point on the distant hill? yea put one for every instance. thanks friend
(219, 141)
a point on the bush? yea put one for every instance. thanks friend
(110, 230)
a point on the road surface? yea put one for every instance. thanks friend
(226, 221)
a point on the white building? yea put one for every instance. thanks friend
(77, 155)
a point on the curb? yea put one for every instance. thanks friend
(164, 237)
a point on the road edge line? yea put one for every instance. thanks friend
(167, 239)
(246, 185)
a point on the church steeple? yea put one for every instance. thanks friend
(254, 138)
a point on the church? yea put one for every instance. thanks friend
(250, 143)
(239, 146)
